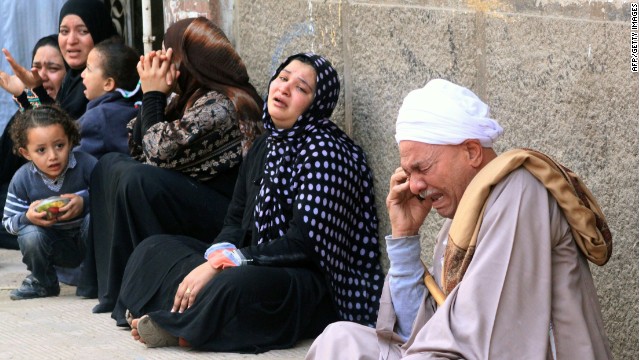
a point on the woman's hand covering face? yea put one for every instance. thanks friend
(157, 72)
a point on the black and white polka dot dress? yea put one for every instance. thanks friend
(316, 177)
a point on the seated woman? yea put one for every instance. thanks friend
(186, 154)
(47, 60)
(299, 248)
(82, 24)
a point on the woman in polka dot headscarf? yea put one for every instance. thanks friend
(299, 249)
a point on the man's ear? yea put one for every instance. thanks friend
(475, 155)
(109, 85)
(24, 153)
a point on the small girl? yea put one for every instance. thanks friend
(111, 68)
(45, 136)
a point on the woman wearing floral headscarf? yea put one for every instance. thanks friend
(186, 154)
(299, 248)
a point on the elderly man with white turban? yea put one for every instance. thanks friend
(510, 273)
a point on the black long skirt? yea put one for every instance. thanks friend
(248, 309)
(131, 201)
(7, 241)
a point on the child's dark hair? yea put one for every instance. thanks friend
(42, 116)
(119, 62)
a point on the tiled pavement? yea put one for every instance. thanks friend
(63, 327)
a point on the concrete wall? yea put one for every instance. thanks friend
(556, 74)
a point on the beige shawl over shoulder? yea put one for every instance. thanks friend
(588, 225)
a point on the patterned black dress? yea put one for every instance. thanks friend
(303, 213)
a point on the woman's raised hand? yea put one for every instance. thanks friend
(156, 71)
(11, 84)
(23, 77)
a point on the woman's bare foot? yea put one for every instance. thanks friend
(134, 330)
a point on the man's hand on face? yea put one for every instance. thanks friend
(407, 211)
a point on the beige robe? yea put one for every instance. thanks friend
(527, 294)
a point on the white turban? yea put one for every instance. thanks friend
(443, 113)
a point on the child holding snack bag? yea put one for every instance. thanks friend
(48, 199)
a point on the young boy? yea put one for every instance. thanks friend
(45, 136)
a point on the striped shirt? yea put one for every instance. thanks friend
(30, 184)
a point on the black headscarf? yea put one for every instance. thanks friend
(96, 17)
(317, 167)
(11, 162)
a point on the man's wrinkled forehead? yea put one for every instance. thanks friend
(416, 155)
